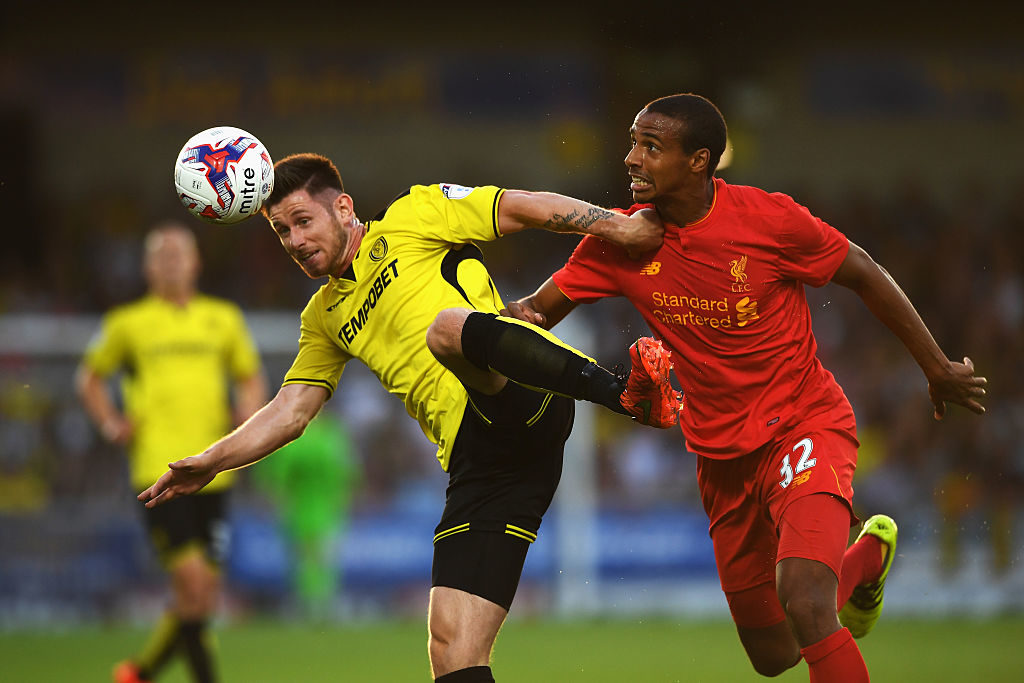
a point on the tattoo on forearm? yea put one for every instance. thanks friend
(558, 221)
(574, 220)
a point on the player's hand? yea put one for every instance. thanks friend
(117, 430)
(646, 233)
(523, 310)
(958, 384)
(184, 477)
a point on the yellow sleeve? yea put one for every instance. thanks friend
(458, 214)
(319, 361)
(243, 358)
(108, 350)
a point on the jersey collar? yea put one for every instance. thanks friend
(711, 209)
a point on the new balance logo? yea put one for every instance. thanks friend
(652, 268)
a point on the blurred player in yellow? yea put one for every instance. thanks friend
(180, 354)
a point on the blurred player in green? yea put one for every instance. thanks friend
(311, 480)
(180, 354)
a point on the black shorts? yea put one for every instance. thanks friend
(504, 469)
(189, 521)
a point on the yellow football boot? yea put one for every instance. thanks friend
(862, 610)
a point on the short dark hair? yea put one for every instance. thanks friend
(703, 124)
(307, 171)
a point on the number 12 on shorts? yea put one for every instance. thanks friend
(806, 462)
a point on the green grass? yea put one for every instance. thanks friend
(528, 650)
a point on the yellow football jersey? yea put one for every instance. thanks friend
(415, 260)
(177, 362)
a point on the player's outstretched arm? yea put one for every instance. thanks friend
(948, 381)
(637, 234)
(544, 308)
(275, 424)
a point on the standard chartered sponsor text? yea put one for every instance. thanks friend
(679, 309)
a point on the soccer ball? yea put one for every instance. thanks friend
(223, 175)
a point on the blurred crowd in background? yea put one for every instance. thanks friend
(902, 148)
(959, 481)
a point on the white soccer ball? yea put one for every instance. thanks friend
(223, 175)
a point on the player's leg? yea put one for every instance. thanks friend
(745, 546)
(865, 568)
(196, 589)
(483, 349)
(169, 530)
(770, 646)
(462, 629)
(462, 626)
(205, 583)
(160, 646)
(862, 563)
(445, 339)
(812, 541)
(806, 482)
(191, 536)
(473, 344)
(504, 468)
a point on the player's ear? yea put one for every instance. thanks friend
(344, 205)
(699, 160)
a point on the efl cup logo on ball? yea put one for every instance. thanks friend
(223, 175)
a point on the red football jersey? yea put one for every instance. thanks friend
(726, 294)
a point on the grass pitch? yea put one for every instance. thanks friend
(532, 651)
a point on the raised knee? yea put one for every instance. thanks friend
(444, 334)
(435, 339)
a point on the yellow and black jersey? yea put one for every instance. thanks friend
(177, 362)
(416, 259)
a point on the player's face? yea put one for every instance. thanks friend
(312, 231)
(656, 163)
(172, 261)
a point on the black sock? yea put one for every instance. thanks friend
(197, 650)
(162, 644)
(526, 357)
(474, 674)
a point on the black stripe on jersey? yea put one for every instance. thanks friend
(494, 214)
(382, 212)
(316, 382)
(450, 267)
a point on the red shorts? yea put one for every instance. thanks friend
(746, 499)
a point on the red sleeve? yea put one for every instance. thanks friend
(591, 272)
(811, 249)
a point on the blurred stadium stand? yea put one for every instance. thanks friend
(909, 143)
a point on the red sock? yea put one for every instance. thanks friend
(861, 563)
(836, 659)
